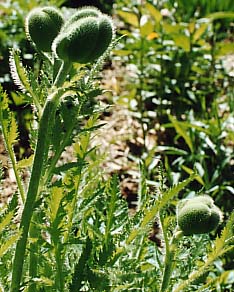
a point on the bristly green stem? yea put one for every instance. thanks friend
(170, 250)
(62, 74)
(41, 154)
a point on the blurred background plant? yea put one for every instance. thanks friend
(179, 88)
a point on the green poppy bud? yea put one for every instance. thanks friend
(85, 40)
(42, 26)
(81, 13)
(198, 215)
(205, 199)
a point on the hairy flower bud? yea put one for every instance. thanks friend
(85, 40)
(198, 215)
(81, 13)
(42, 26)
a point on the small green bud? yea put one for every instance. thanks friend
(85, 40)
(205, 199)
(42, 26)
(198, 215)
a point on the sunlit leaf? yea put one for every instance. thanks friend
(224, 48)
(9, 243)
(56, 196)
(190, 171)
(171, 28)
(181, 130)
(146, 26)
(129, 17)
(122, 52)
(6, 220)
(220, 15)
(200, 31)
(154, 11)
(182, 41)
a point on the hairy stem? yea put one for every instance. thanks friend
(169, 257)
(62, 74)
(33, 262)
(41, 154)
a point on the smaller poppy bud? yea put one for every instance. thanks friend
(42, 26)
(198, 215)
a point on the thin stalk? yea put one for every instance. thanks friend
(212, 73)
(170, 250)
(62, 74)
(14, 166)
(140, 99)
(36, 101)
(161, 76)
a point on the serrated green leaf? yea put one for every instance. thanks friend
(26, 162)
(21, 78)
(9, 243)
(6, 220)
(113, 190)
(7, 120)
(13, 131)
(18, 72)
(57, 195)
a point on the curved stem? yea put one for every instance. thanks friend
(62, 74)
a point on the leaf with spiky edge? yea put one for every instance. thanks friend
(18, 72)
(7, 216)
(21, 78)
(8, 122)
(10, 134)
(9, 243)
